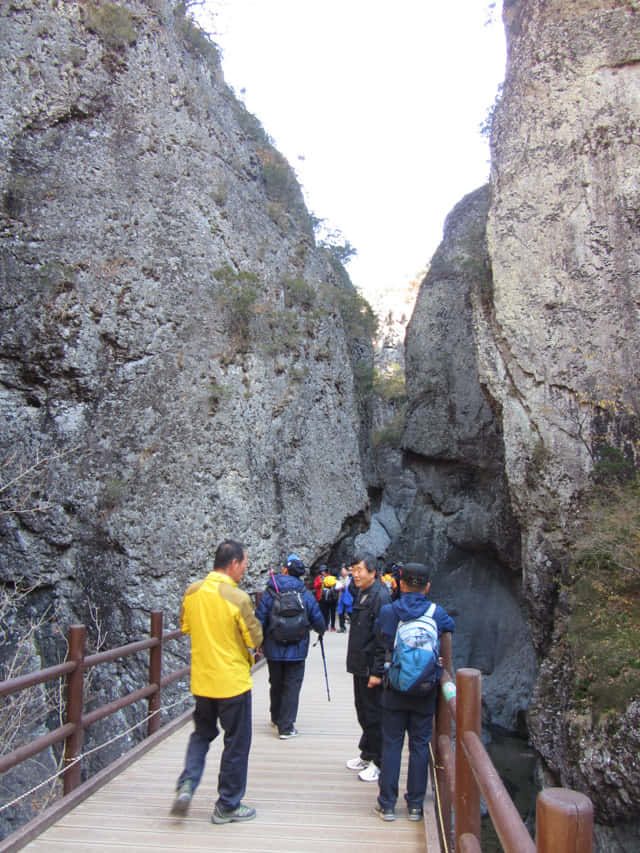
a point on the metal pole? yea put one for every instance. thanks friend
(324, 662)
(155, 672)
(75, 684)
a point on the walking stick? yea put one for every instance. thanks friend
(324, 662)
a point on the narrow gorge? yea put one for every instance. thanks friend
(181, 359)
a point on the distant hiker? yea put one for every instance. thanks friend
(391, 584)
(224, 634)
(318, 589)
(407, 663)
(345, 602)
(371, 595)
(330, 597)
(287, 611)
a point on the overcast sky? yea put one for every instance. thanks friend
(377, 106)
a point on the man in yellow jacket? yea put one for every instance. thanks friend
(224, 634)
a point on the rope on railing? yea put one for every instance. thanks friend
(434, 776)
(92, 750)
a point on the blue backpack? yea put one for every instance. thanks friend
(415, 666)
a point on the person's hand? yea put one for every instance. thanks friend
(374, 681)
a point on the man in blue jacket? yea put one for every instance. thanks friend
(286, 657)
(402, 711)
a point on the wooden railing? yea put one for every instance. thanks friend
(76, 721)
(564, 818)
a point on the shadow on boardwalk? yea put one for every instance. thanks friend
(305, 797)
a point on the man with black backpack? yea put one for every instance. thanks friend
(407, 664)
(287, 611)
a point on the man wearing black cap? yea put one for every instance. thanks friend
(407, 708)
(287, 611)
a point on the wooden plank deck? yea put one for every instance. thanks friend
(305, 797)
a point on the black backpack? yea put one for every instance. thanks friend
(288, 623)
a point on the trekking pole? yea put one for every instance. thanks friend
(324, 662)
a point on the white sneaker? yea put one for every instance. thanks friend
(292, 732)
(370, 773)
(357, 764)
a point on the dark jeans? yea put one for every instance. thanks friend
(234, 715)
(418, 727)
(285, 681)
(324, 609)
(369, 715)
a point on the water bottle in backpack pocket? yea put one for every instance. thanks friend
(415, 667)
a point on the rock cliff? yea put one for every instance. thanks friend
(180, 362)
(459, 517)
(557, 349)
(176, 353)
(522, 380)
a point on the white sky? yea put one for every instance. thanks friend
(383, 100)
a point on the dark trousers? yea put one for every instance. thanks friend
(323, 604)
(418, 727)
(369, 715)
(234, 716)
(285, 681)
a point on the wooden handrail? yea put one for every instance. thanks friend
(22, 753)
(76, 720)
(121, 651)
(31, 679)
(509, 827)
(564, 818)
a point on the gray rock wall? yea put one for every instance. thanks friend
(460, 518)
(173, 346)
(558, 348)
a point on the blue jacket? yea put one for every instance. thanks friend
(410, 605)
(345, 603)
(277, 651)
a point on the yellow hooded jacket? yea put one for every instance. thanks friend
(224, 632)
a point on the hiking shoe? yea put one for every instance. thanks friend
(183, 799)
(236, 815)
(415, 812)
(384, 813)
(370, 773)
(292, 732)
(357, 764)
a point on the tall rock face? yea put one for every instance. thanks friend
(174, 349)
(460, 519)
(558, 349)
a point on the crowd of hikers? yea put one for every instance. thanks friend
(392, 654)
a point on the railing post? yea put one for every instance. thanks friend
(443, 727)
(468, 718)
(75, 700)
(155, 672)
(564, 821)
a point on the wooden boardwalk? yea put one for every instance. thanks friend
(305, 797)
